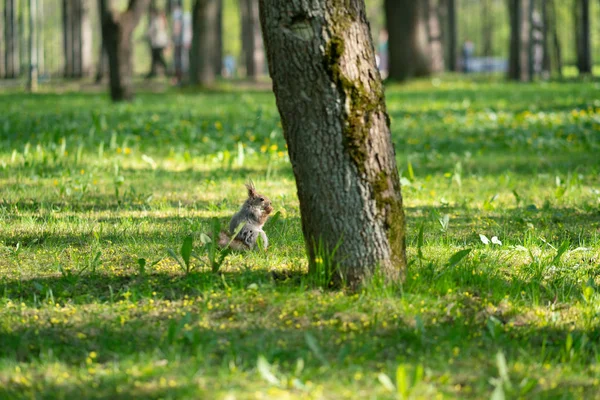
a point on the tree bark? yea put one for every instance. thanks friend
(11, 40)
(434, 34)
(41, 57)
(547, 58)
(487, 24)
(252, 45)
(23, 22)
(77, 38)
(205, 35)
(33, 47)
(117, 31)
(452, 35)
(556, 46)
(331, 101)
(218, 54)
(2, 47)
(408, 45)
(520, 40)
(102, 65)
(582, 34)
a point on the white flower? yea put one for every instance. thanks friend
(484, 239)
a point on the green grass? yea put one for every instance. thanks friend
(88, 188)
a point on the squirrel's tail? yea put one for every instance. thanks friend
(236, 244)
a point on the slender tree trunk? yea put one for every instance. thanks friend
(487, 24)
(11, 40)
(203, 51)
(77, 38)
(85, 30)
(452, 35)
(530, 41)
(33, 45)
(252, 46)
(556, 47)
(331, 101)
(40, 39)
(117, 32)
(102, 66)
(520, 40)
(547, 58)
(408, 45)
(67, 17)
(218, 53)
(2, 47)
(582, 27)
(23, 21)
(434, 33)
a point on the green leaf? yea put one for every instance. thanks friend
(186, 250)
(560, 251)
(502, 368)
(402, 381)
(174, 256)
(235, 233)
(458, 257)
(386, 382)
(420, 242)
(142, 264)
(410, 171)
(314, 347)
(204, 239)
(264, 369)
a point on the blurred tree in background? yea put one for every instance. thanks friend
(422, 37)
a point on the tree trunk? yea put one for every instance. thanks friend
(434, 34)
(205, 35)
(252, 46)
(2, 48)
(117, 31)
(218, 54)
(408, 45)
(556, 47)
(11, 40)
(41, 57)
(77, 38)
(33, 46)
(23, 22)
(331, 101)
(582, 27)
(452, 35)
(102, 65)
(520, 40)
(487, 25)
(547, 58)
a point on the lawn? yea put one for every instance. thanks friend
(502, 193)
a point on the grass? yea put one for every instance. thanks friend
(89, 188)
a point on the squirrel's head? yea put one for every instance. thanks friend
(257, 200)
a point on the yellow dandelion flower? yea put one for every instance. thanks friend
(119, 150)
(127, 150)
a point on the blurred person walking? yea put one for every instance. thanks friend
(159, 40)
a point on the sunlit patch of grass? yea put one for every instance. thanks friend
(89, 189)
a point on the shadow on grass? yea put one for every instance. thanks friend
(240, 330)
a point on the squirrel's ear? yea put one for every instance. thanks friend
(251, 189)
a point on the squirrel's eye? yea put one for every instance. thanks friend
(261, 199)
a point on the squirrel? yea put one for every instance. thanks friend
(253, 214)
